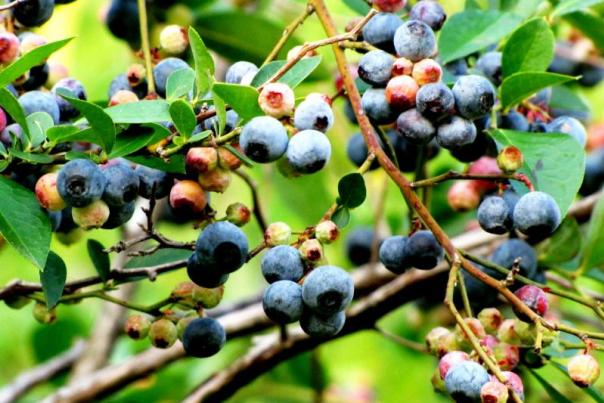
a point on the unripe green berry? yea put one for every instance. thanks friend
(163, 333)
(182, 324)
(491, 319)
(476, 328)
(433, 339)
(311, 251)
(201, 159)
(277, 233)
(326, 232)
(208, 297)
(183, 292)
(584, 370)
(92, 216)
(137, 327)
(43, 315)
(510, 159)
(238, 214)
(174, 39)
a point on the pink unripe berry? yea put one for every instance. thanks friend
(506, 355)
(514, 382)
(238, 214)
(494, 392)
(277, 100)
(277, 233)
(137, 327)
(216, 180)
(463, 196)
(485, 165)
(188, 196)
(92, 216)
(402, 67)
(451, 359)
(295, 51)
(533, 297)
(174, 39)
(427, 71)
(584, 370)
(475, 327)
(123, 97)
(31, 41)
(48, 194)
(201, 159)
(401, 92)
(510, 159)
(326, 232)
(56, 72)
(433, 338)
(311, 251)
(9, 47)
(491, 319)
(489, 342)
(389, 6)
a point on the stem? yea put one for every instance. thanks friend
(288, 32)
(466, 176)
(151, 309)
(257, 210)
(464, 295)
(413, 345)
(142, 19)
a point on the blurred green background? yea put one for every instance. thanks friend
(362, 367)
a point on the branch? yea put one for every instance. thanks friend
(288, 32)
(144, 31)
(467, 176)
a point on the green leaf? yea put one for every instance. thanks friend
(100, 122)
(23, 223)
(551, 391)
(11, 105)
(520, 86)
(180, 83)
(341, 217)
(53, 279)
(199, 136)
(31, 157)
(31, 59)
(220, 108)
(183, 116)
(570, 6)
(204, 64)
(592, 391)
(242, 157)
(176, 164)
(554, 162)
(155, 111)
(593, 252)
(530, 48)
(297, 74)
(136, 137)
(359, 6)
(563, 245)
(590, 25)
(100, 259)
(523, 8)
(352, 190)
(65, 134)
(472, 30)
(242, 98)
(38, 123)
(565, 98)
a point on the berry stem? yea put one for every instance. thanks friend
(142, 18)
(451, 175)
(464, 295)
(288, 32)
(413, 345)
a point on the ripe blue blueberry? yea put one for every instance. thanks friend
(162, 71)
(237, 71)
(423, 251)
(322, 326)
(457, 67)
(327, 290)
(407, 152)
(476, 149)
(590, 75)
(282, 301)
(456, 132)
(392, 254)
(464, 381)
(33, 13)
(153, 182)
(313, 114)
(514, 120)
(536, 215)
(122, 183)
(380, 30)
(594, 172)
(430, 12)
(80, 182)
(232, 120)
(494, 215)
(489, 65)
(67, 110)
(264, 139)
(283, 262)
(38, 101)
(204, 275)
(508, 252)
(119, 215)
(375, 67)
(122, 21)
(414, 127)
(415, 41)
(435, 101)
(62, 221)
(568, 125)
(203, 337)
(38, 75)
(308, 151)
(358, 245)
(474, 96)
(223, 246)
(377, 108)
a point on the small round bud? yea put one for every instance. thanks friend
(311, 251)
(277, 100)
(389, 6)
(43, 315)
(208, 297)
(534, 298)
(136, 74)
(449, 360)
(239, 214)
(433, 338)
(123, 97)
(584, 370)
(201, 159)
(326, 232)
(217, 180)
(174, 39)
(402, 67)
(491, 319)
(427, 71)
(163, 333)
(475, 326)
(92, 216)
(9, 47)
(463, 196)
(188, 196)
(137, 327)
(401, 92)
(494, 392)
(48, 194)
(277, 233)
(510, 159)
(227, 159)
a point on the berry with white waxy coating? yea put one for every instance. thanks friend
(322, 326)
(162, 71)
(584, 370)
(489, 64)
(205, 276)
(188, 196)
(474, 96)
(283, 262)
(376, 106)
(495, 215)
(423, 251)
(326, 232)
(203, 337)
(33, 13)
(465, 380)
(282, 301)
(380, 30)
(277, 100)
(38, 101)
(137, 326)
(313, 114)
(427, 71)
(308, 151)
(263, 139)
(401, 92)
(429, 12)
(48, 194)
(415, 127)
(456, 132)
(327, 290)
(67, 110)
(375, 67)
(237, 71)
(392, 254)
(435, 101)
(570, 126)
(450, 360)
(119, 215)
(153, 182)
(91, 216)
(537, 215)
(174, 39)
(415, 41)
(222, 247)
(506, 254)
(163, 333)
(277, 233)
(122, 183)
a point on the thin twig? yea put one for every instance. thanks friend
(257, 208)
(467, 176)
(288, 32)
(144, 31)
(413, 345)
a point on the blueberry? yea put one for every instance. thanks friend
(62, 221)
(357, 151)
(456, 132)
(81, 182)
(322, 326)
(308, 151)
(237, 71)
(407, 152)
(435, 101)
(514, 120)
(380, 30)
(38, 101)
(489, 65)
(457, 67)
(313, 114)
(162, 71)
(415, 41)
(358, 245)
(153, 181)
(38, 75)
(204, 275)
(510, 250)
(542, 98)
(377, 108)
(223, 246)
(33, 13)
(349, 112)
(494, 215)
(423, 250)
(464, 381)
(562, 65)
(536, 215)
(327, 290)
(121, 83)
(282, 301)
(414, 127)
(430, 12)
(594, 172)
(122, 21)
(283, 262)
(119, 215)
(232, 120)
(474, 96)
(375, 67)
(77, 89)
(480, 294)
(263, 139)
(568, 125)
(122, 183)
(203, 337)
(590, 75)
(392, 254)
(473, 151)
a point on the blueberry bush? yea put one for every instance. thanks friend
(416, 182)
